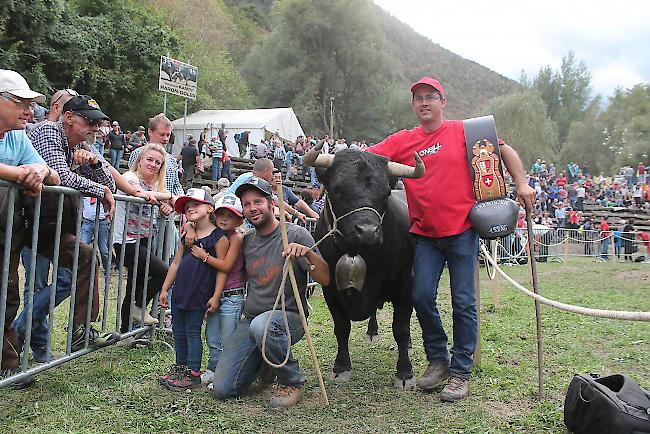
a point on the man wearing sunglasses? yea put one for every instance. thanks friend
(61, 144)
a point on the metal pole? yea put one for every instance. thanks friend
(331, 117)
(538, 311)
(165, 103)
(185, 121)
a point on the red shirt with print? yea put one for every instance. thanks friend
(440, 201)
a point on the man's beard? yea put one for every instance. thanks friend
(265, 219)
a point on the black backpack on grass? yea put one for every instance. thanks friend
(612, 404)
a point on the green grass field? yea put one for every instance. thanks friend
(115, 389)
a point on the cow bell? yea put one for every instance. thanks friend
(494, 218)
(350, 272)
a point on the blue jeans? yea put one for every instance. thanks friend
(41, 275)
(216, 168)
(460, 253)
(220, 325)
(86, 236)
(186, 328)
(242, 359)
(116, 157)
(225, 171)
(604, 247)
(41, 308)
(288, 161)
(100, 147)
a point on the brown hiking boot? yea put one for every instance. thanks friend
(285, 396)
(433, 377)
(455, 390)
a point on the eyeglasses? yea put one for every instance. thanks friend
(92, 122)
(426, 98)
(23, 103)
(70, 92)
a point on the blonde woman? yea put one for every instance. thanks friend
(147, 173)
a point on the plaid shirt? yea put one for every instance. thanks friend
(50, 141)
(172, 183)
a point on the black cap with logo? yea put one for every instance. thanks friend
(85, 106)
(254, 183)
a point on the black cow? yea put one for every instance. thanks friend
(376, 230)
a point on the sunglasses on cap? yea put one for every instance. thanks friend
(92, 122)
(70, 92)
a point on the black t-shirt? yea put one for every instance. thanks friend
(116, 141)
(188, 155)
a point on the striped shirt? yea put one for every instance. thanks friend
(50, 141)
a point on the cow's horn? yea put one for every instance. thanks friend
(405, 171)
(314, 158)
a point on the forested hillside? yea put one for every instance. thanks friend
(313, 55)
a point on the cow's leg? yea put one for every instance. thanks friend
(342, 370)
(404, 378)
(372, 335)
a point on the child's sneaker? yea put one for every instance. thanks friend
(207, 376)
(188, 380)
(174, 372)
(95, 339)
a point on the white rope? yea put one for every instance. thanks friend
(599, 313)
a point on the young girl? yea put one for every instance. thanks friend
(221, 324)
(197, 287)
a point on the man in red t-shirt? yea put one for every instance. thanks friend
(439, 205)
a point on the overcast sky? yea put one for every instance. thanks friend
(507, 36)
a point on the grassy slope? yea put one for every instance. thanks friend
(115, 390)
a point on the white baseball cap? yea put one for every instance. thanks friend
(231, 202)
(14, 83)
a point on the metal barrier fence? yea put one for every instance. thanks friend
(75, 274)
(558, 244)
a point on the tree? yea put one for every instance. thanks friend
(109, 49)
(587, 142)
(627, 125)
(321, 49)
(522, 122)
(566, 93)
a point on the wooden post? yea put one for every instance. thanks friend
(296, 295)
(477, 284)
(495, 282)
(538, 310)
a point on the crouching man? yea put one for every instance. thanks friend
(241, 360)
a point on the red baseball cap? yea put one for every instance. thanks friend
(431, 82)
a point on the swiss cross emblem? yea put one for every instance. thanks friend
(488, 180)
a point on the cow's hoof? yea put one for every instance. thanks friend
(408, 384)
(341, 377)
(372, 339)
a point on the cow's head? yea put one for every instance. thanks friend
(359, 181)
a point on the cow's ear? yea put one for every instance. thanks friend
(392, 181)
(322, 175)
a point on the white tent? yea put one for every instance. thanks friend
(260, 122)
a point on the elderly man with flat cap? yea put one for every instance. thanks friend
(439, 206)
